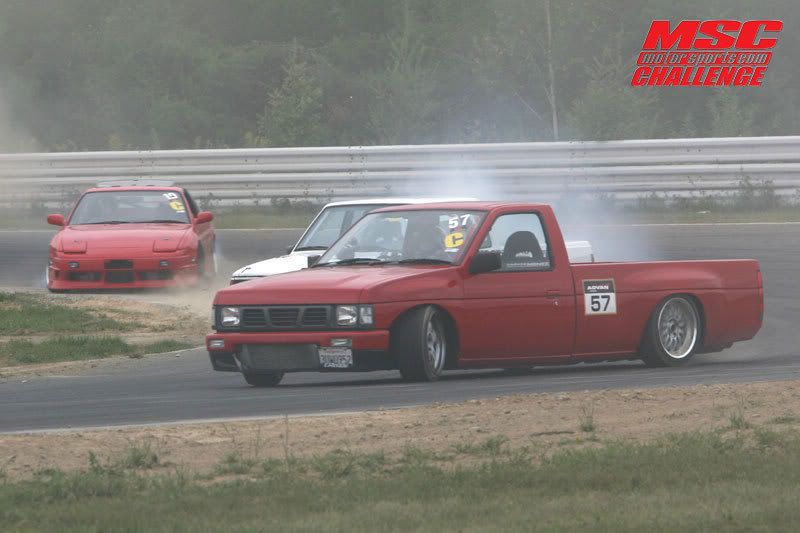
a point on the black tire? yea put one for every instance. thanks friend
(267, 379)
(673, 332)
(206, 268)
(419, 344)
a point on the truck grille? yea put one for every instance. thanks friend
(284, 317)
(315, 316)
(254, 318)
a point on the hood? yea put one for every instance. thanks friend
(140, 237)
(346, 284)
(277, 265)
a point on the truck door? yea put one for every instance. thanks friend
(527, 308)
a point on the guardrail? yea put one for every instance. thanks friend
(624, 168)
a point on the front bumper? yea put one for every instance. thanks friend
(231, 351)
(111, 273)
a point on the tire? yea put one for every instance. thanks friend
(268, 379)
(207, 268)
(419, 344)
(673, 333)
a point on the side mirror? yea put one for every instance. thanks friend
(485, 262)
(312, 260)
(56, 220)
(203, 217)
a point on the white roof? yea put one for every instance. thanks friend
(400, 201)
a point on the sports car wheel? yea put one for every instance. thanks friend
(207, 267)
(672, 332)
(419, 344)
(269, 379)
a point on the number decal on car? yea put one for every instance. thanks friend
(599, 297)
(454, 240)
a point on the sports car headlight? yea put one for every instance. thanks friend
(347, 315)
(230, 317)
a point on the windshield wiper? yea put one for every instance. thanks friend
(165, 221)
(108, 222)
(307, 248)
(354, 261)
(424, 260)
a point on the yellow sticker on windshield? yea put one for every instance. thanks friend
(454, 240)
(177, 206)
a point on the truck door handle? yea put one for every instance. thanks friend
(553, 294)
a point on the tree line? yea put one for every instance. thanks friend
(165, 74)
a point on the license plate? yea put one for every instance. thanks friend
(336, 357)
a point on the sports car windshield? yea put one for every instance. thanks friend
(331, 223)
(432, 236)
(129, 207)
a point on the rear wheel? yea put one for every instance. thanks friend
(419, 344)
(672, 333)
(268, 379)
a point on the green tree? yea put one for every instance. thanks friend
(404, 95)
(293, 112)
(729, 118)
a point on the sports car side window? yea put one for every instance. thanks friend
(192, 205)
(521, 241)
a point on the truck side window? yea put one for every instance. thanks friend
(520, 240)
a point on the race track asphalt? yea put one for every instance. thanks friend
(167, 388)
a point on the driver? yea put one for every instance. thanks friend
(424, 239)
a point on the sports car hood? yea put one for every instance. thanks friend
(346, 284)
(144, 238)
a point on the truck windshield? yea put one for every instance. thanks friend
(331, 223)
(432, 236)
(130, 207)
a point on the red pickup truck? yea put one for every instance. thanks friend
(431, 287)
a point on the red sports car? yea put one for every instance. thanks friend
(131, 235)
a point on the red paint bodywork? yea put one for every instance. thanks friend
(507, 319)
(145, 244)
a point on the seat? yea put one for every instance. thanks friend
(522, 249)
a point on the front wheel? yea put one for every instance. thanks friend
(419, 344)
(267, 379)
(672, 333)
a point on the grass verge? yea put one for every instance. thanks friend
(698, 481)
(23, 314)
(79, 348)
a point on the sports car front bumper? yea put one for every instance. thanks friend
(76, 272)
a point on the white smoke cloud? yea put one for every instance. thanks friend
(582, 215)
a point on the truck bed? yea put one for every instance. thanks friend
(728, 293)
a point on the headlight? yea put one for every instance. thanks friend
(365, 315)
(347, 315)
(352, 315)
(230, 317)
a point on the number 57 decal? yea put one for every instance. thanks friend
(599, 297)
